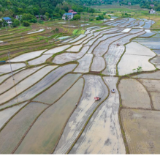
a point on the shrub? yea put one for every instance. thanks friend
(91, 19)
(26, 23)
(100, 17)
(34, 20)
(16, 23)
(77, 17)
(56, 30)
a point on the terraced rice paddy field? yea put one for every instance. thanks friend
(47, 103)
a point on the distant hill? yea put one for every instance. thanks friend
(155, 4)
(56, 8)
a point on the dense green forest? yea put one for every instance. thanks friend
(56, 8)
(50, 8)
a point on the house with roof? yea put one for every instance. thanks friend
(72, 11)
(42, 17)
(19, 17)
(67, 16)
(7, 20)
(152, 11)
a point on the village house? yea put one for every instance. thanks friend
(72, 11)
(8, 20)
(67, 16)
(40, 17)
(152, 11)
(19, 17)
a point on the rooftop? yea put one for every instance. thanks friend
(6, 18)
(68, 14)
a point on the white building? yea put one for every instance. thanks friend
(68, 15)
(152, 11)
(8, 20)
(19, 17)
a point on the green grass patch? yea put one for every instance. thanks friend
(77, 32)
(97, 22)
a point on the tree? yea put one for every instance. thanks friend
(47, 14)
(66, 17)
(27, 17)
(77, 17)
(100, 17)
(26, 23)
(16, 23)
(4, 23)
(1, 23)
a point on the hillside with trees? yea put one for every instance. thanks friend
(49, 8)
(56, 8)
(143, 3)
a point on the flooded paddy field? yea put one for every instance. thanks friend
(50, 133)
(84, 64)
(93, 93)
(27, 56)
(152, 42)
(102, 135)
(26, 83)
(138, 56)
(94, 86)
(16, 128)
(147, 34)
(98, 64)
(17, 78)
(7, 69)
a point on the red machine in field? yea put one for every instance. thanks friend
(97, 98)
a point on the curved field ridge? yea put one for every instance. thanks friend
(47, 81)
(84, 64)
(17, 78)
(102, 48)
(156, 61)
(153, 88)
(133, 94)
(75, 48)
(68, 57)
(98, 64)
(54, 92)
(102, 134)
(154, 75)
(82, 40)
(57, 49)
(27, 56)
(78, 38)
(50, 124)
(135, 56)
(23, 85)
(6, 67)
(5, 115)
(39, 60)
(114, 53)
(94, 86)
(2, 78)
(100, 42)
(11, 135)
